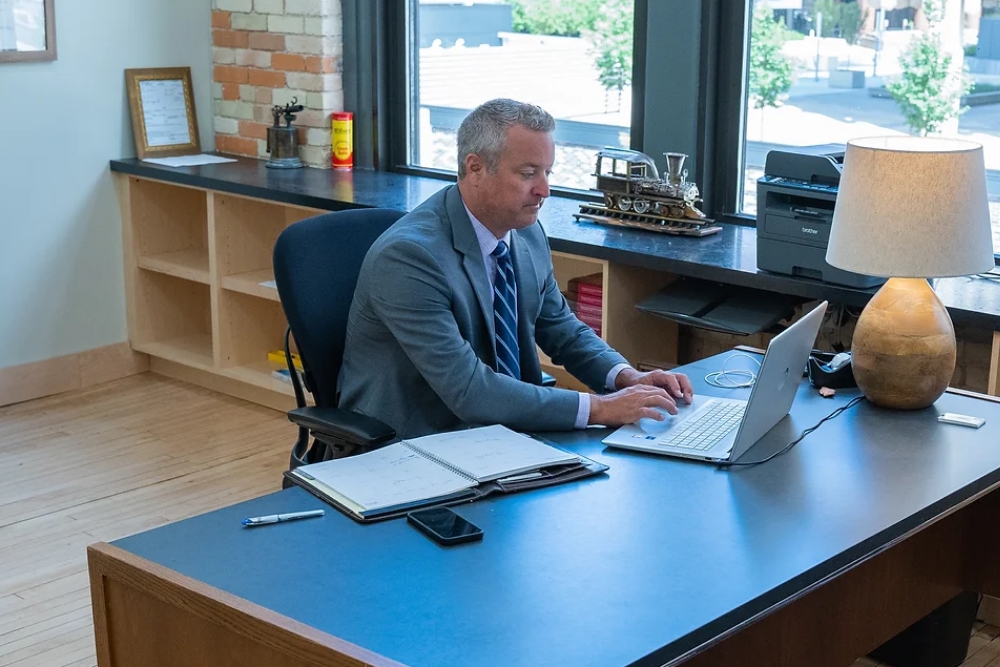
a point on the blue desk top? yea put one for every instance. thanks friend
(636, 567)
(728, 257)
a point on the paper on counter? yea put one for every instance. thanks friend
(188, 160)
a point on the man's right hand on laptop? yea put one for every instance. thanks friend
(628, 405)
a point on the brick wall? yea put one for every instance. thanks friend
(265, 52)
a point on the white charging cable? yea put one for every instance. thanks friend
(723, 380)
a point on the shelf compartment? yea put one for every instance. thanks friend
(258, 374)
(245, 231)
(194, 350)
(567, 267)
(191, 264)
(249, 328)
(173, 318)
(167, 218)
(250, 283)
(637, 335)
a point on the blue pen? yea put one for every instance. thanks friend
(277, 518)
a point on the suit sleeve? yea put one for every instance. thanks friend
(568, 341)
(416, 306)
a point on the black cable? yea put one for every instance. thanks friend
(836, 413)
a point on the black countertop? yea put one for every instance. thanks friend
(727, 257)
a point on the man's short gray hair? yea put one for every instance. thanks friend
(484, 130)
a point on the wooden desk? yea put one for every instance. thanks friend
(816, 557)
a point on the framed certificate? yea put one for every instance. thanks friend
(162, 107)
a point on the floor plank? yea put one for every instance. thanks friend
(123, 457)
(102, 463)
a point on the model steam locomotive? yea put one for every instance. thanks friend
(636, 196)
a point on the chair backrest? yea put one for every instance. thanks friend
(316, 266)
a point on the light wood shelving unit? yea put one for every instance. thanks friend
(196, 262)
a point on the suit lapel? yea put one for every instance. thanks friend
(528, 295)
(472, 258)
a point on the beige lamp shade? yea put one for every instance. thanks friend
(912, 207)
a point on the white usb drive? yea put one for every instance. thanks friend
(961, 420)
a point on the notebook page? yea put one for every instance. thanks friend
(387, 477)
(491, 452)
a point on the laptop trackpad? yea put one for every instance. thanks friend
(670, 422)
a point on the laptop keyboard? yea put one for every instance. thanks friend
(703, 431)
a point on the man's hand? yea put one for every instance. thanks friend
(677, 384)
(630, 404)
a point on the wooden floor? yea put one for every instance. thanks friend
(106, 462)
(123, 457)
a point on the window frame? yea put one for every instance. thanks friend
(708, 37)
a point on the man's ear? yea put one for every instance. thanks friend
(474, 167)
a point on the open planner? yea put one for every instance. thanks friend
(439, 469)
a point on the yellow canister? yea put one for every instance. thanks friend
(343, 140)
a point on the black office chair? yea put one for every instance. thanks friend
(316, 266)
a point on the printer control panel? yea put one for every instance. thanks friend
(794, 183)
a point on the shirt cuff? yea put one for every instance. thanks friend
(583, 411)
(613, 375)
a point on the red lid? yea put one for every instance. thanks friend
(342, 115)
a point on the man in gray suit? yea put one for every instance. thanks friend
(452, 299)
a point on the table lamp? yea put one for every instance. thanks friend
(909, 208)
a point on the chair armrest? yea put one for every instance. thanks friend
(350, 427)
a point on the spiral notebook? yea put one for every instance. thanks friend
(439, 469)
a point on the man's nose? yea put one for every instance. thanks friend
(541, 188)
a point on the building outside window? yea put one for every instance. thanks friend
(830, 71)
(571, 57)
(832, 67)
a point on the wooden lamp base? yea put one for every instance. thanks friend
(903, 351)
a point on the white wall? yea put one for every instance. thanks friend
(61, 274)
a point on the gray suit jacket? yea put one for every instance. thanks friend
(420, 351)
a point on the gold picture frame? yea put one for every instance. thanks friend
(164, 122)
(23, 26)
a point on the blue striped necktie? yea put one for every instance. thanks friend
(505, 313)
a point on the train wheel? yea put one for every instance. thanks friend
(609, 201)
(641, 205)
(624, 203)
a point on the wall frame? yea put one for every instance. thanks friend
(161, 103)
(27, 31)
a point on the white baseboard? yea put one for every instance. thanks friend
(72, 371)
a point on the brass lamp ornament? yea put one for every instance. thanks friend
(283, 142)
(909, 208)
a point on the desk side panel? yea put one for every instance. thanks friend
(851, 613)
(146, 615)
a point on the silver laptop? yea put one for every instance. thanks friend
(723, 429)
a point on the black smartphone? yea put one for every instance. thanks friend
(444, 526)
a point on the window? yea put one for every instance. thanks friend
(689, 91)
(571, 57)
(827, 71)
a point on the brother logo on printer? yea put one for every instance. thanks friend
(807, 230)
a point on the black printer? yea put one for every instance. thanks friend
(795, 200)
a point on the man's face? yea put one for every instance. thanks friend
(510, 197)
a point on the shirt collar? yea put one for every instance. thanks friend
(487, 241)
